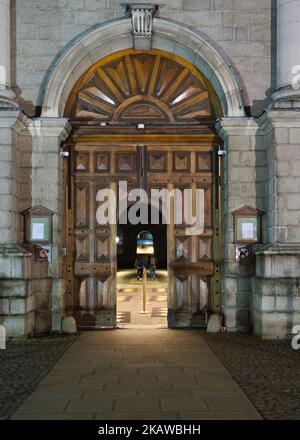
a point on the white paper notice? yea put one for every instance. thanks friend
(38, 231)
(248, 231)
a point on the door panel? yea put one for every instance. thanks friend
(190, 259)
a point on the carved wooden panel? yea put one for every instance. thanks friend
(183, 248)
(157, 162)
(102, 248)
(208, 207)
(102, 293)
(150, 87)
(82, 299)
(192, 301)
(82, 247)
(182, 292)
(181, 162)
(93, 296)
(203, 162)
(200, 302)
(81, 205)
(125, 162)
(102, 162)
(203, 294)
(81, 162)
(204, 248)
(183, 197)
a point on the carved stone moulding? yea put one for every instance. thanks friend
(142, 23)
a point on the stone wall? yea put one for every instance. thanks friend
(276, 284)
(244, 184)
(243, 29)
(25, 286)
(262, 170)
(285, 166)
(276, 293)
(12, 125)
(25, 300)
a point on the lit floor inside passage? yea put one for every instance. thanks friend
(130, 300)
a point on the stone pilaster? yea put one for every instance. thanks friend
(47, 190)
(276, 292)
(244, 184)
(6, 94)
(288, 50)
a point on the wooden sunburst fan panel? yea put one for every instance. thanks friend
(152, 86)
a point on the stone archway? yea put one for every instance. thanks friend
(114, 36)
(111, 37)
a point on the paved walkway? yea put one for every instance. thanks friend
(138, 374)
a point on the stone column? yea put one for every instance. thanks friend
(243, 185)
(288, 50)
(276, 291)
(47, 190)
(6, 94)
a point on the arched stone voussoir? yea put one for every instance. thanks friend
(114, 36)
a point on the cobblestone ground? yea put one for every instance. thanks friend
(267, 371)
(23, 364)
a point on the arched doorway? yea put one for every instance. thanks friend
(142, 247)
(147, 119)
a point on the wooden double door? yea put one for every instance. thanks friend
(148, 161)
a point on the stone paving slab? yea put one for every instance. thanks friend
(230, 403)
(137, 404)
(53, 416)
(143, 374)
(64, 394)
(190, 404)
(127, 415)
(44, 406)
(219, 415)
(90, 405)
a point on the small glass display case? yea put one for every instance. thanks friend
(247, 225)
(38, 225)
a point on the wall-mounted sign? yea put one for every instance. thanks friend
(38, 225)
(43, 253)
(247, 225)
(243, 254)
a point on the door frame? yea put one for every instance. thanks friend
(93, 134)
